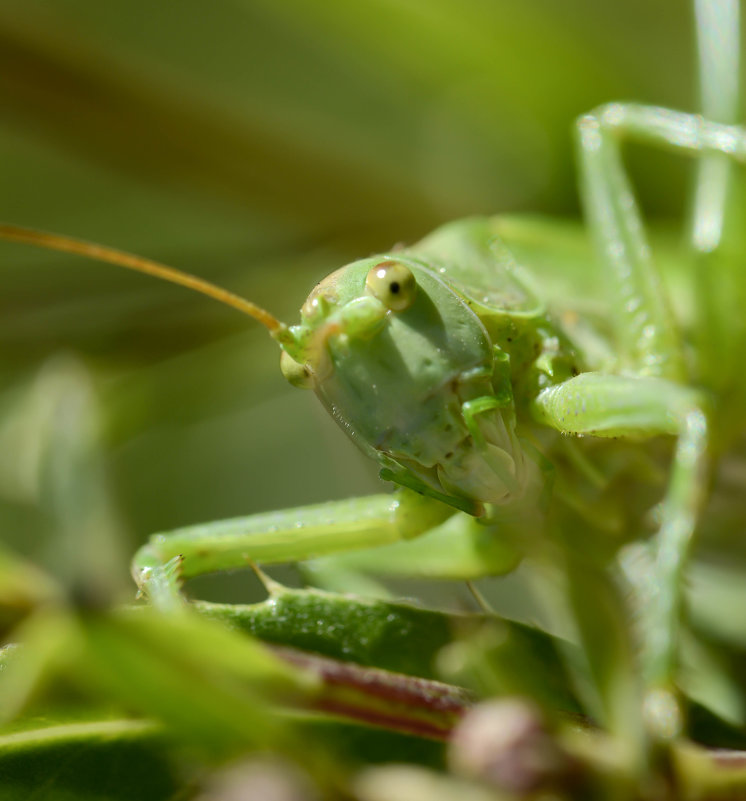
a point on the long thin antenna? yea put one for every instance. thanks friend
(90, 250)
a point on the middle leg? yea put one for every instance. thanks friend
(600, 405)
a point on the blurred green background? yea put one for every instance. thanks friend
(262, 145)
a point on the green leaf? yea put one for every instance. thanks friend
(86, 760)
(486, 654)
(393, 636)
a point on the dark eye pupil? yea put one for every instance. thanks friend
(394, 287)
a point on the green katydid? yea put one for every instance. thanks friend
(441, 363)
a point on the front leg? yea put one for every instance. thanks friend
(283, 536)
(599, 405)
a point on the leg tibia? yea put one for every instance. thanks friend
(646, 335)
(283, 536)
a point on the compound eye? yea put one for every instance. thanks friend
(393, 284)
